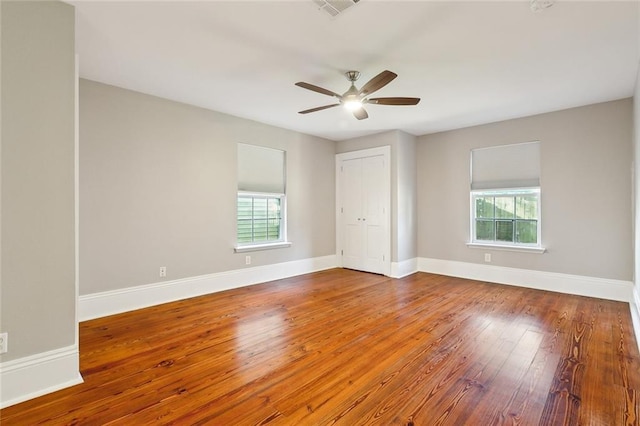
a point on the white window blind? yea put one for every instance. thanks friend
(506, 166)
(261, 169)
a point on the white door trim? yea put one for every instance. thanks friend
(384, 151)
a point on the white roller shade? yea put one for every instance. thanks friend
(260, 169)
(506, 166)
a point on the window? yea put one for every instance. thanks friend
(506, 217)
(505, 196)
(260, 218)
(261, 199)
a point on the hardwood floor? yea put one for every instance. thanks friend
(350, 348)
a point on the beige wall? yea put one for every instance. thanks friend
(38, 231)
(586, 160)
(158, 188)
(403, 187)
(407, 223)
(636, 183)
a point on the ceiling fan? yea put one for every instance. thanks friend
(354, 99)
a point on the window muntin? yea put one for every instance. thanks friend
(260, 218)
(506, 217)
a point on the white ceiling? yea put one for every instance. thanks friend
(470, 62)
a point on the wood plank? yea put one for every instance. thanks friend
(431, 363)
(564, 400)
(344, 347)
(472, 382)
(527, 398)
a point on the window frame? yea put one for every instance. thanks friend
(260, 245)
(506, 245)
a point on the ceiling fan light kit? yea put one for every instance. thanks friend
(352, 104)
(354, 99)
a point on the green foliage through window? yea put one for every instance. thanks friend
(259, 218)
(507, 217)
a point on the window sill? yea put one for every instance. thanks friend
(524, 249)
(258, 247)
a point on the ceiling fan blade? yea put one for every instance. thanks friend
(394, 101)
(318, 89)
(378, 82)
(307, 111)
(360, 113)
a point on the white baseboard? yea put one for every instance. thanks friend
(551, 281)
(29, 377)
(404, 268)
(98, 305)
(634, 306)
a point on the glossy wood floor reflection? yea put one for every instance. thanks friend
(350, 348)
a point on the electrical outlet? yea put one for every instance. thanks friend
(487, 257)
(163, 271)
(4, 342)
(247, 260)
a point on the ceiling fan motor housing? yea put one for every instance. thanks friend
(352, 75)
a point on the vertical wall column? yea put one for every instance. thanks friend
(38, 278)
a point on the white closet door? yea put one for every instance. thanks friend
(363, 183)
(373, 213)
(353, 254)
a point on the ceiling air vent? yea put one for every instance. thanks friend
(335, 7)
(538, 5)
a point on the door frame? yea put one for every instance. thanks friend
(385, 151)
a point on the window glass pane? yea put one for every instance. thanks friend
(527, 231)
(259, 219)
(507, 216)
(259, 208)
(505, 207)
(245, 214)
(504, 230)
(273, 229)
(274, 207)
(260, 230)
(245, 207)
(484, 207)
(485, 230)
(244, 234)
(273, 225)
(527, 207)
